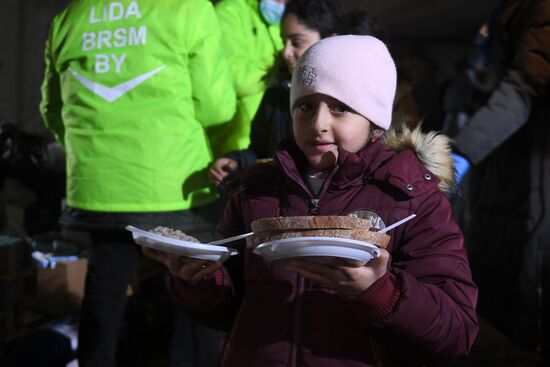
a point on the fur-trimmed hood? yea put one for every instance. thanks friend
(433, 150)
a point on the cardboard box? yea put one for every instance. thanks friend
(59, 291)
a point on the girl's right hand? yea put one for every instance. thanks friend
(350, 281)
(191, 271)
(221, 168)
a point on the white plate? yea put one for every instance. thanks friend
(180, 247)
(316, 248)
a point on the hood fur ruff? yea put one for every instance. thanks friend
(433, 150)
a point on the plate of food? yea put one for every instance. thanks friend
(176, 242)
(317, 238)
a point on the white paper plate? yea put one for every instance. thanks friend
(316, 248)
(179, 247)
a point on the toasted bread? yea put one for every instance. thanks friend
(309, 222)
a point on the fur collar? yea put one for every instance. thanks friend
(433, 150)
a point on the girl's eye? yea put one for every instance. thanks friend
(305, 107)
(342, 108)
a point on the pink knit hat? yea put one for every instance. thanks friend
(357, 70)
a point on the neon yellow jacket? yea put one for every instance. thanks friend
(129, 88)
(250, 45)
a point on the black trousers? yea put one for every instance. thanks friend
(113, 263)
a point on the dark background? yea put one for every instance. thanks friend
(431, 37)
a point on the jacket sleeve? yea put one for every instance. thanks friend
(506, 111)
(434, 315)
(207, 303)
(216, 301)
(244, 158)
(245, 64)
(51, 103)
(213, 93)
(527, 77)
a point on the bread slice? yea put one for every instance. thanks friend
(378, 239)
(309, 222)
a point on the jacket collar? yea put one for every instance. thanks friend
(376, 162)
(351, 168)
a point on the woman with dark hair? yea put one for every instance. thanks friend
(322, 16)
(304, 23)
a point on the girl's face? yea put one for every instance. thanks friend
(321, 124)
(297, 39)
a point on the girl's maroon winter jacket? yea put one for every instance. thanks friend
(422, 309)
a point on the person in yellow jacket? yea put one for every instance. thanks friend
(251, 39)
(129, 88)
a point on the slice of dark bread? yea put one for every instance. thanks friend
(309, 222)
(270, 229)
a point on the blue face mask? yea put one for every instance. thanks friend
(271, 11)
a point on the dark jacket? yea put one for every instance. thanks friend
(422, 308)
(271, 125)
(521, 50)
(507, 224)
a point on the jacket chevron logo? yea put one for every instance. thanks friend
(111, 94)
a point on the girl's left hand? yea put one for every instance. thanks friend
(347, 280)
(191, 271)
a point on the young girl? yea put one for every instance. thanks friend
(414, 303)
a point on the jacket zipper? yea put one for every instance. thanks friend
(314, 200)
(375, 351)
(296, 328)
(313, 210)
(313, 206)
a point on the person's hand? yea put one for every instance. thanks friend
(191, 271)
(461, 166)
(221, 168)
(350, 281)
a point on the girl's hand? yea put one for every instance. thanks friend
(221, 168)
(191, 271)
(347, 280)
